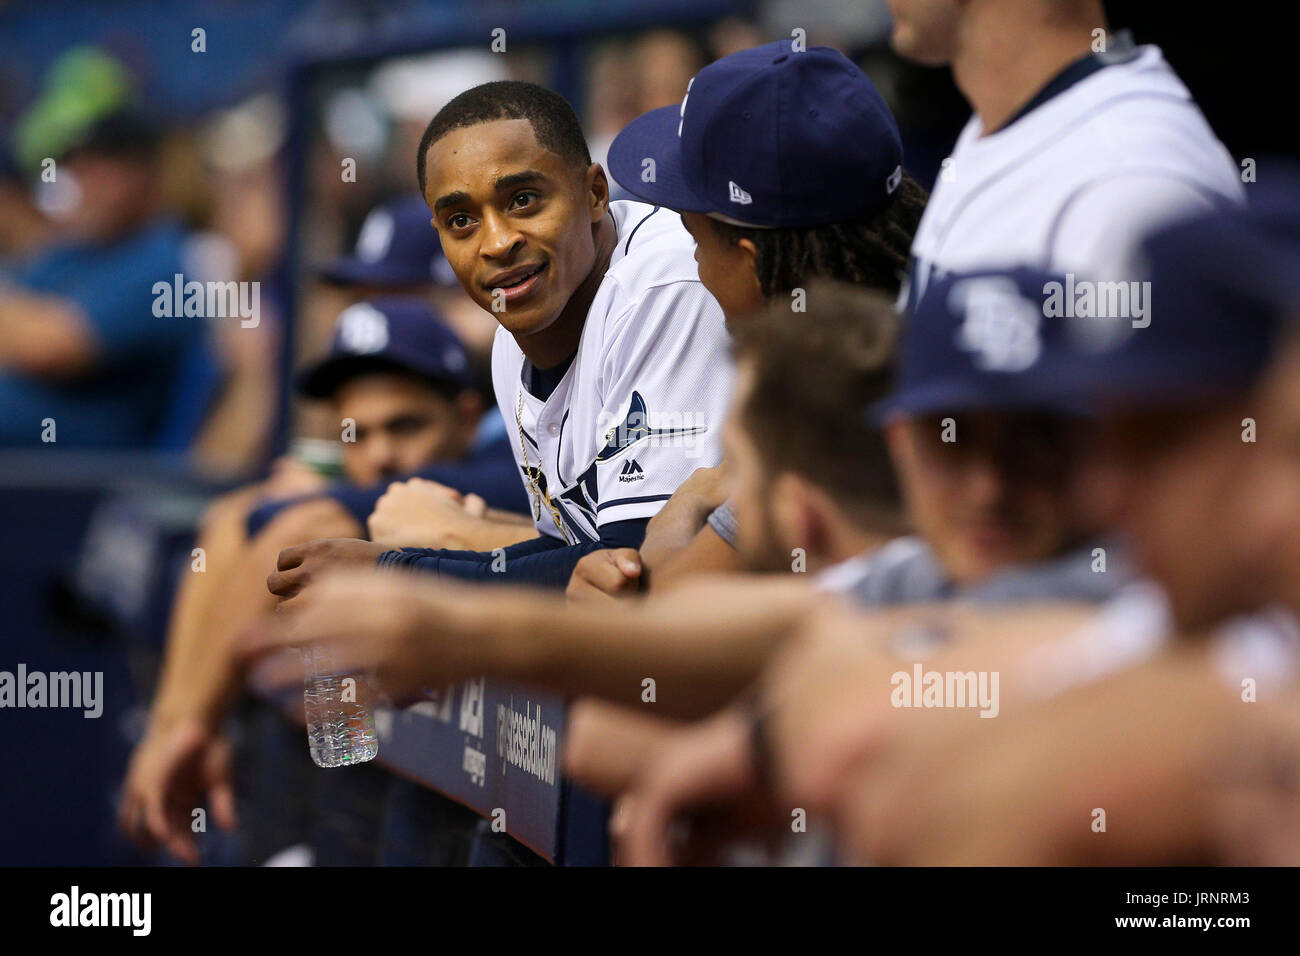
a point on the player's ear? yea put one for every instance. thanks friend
(596, 187)
(750, 252)
(898, 440)
(793, 512)
(749, 255)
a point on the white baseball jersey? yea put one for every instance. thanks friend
(643, 402)
(1137, 625)
(1072, 185)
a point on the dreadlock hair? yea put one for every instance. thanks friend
(872, 252)
(554, 123)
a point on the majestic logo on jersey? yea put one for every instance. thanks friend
(1001, 328)
(636, 426)
(631, 471)
(739, 195)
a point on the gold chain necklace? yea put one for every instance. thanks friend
(536, 494)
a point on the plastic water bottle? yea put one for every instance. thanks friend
(340, 724)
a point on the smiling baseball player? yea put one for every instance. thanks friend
(611, 362)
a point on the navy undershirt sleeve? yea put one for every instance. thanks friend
(489, 472)
(543, 561)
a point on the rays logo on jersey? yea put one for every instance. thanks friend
(1000, 327)
(636, 426)
(578, 503)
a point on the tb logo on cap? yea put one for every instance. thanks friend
(363, 328)
(999, 326)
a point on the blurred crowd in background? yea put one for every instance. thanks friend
(111, 178)
(211, 139)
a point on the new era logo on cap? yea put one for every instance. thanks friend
(739, 195)
(1000, 327)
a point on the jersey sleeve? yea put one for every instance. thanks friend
(723, 522)
(542, 562)
(667, 379)
(1104, 224)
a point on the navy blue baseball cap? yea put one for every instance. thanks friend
(1222, 286)
(984, 340)
(770, 138)
(388, 335)
(397, 246)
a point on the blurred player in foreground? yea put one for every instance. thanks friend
(1174, 751)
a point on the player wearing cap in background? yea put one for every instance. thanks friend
(610, 366)
(755, 160)
(398, 379)
(397, 252)
(477, 502)
(1173, 399)
(1071, 156)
